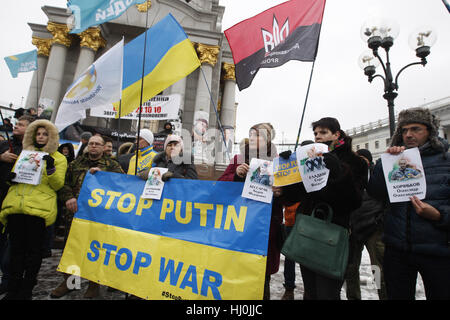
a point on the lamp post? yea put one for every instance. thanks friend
(381, 34)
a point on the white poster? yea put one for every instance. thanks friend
(157, 108)
(28, 167)
(154, 185)
(404, 175)
(312, 167)
(259, 181)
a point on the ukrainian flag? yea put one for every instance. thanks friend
(170, 56)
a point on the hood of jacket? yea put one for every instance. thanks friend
(30, 134)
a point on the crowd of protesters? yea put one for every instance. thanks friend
(403, 239)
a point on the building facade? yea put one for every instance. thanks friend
(375, 136)
(62, 57)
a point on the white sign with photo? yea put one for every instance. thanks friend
(404, 175)
(259, 181)
(154, 185)
(312, 167)
(28, 167)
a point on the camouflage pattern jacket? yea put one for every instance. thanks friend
(77, 171)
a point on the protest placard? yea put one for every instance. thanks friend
(259, 181)
(285, 171)
(312, 167)
(154, 185)
(28, 167)
(404, 175)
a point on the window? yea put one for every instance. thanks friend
(357, 147)
(387, 142)
(377, 144)
(366, 145)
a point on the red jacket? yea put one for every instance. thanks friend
(274, 247)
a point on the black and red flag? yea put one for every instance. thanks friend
(289, 31)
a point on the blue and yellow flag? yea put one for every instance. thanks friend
(170, 56)
(202, 240)
(23, 62)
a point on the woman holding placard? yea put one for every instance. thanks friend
(29, 208)
(259, 145)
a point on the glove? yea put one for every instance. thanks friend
(332, 163)
(166, 176)
(286, 154)
(50, 164)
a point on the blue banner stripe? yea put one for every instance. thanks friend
(206, 212)
(160, 39)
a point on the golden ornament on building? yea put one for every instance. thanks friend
(92, 38)
(229, 71)
(207, 53)
(60, 33)
(43, 45)
(143, 7)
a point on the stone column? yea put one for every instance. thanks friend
(51, 87)
(227, 113)
(208, 57)
(90, 41)
(43, 47)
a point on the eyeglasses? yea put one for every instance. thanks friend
(95, 144)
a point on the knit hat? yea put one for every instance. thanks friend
(86, 135)
(147, 135)
(266, 129)
(171, 138)
(417, 115)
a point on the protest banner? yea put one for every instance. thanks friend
(202, 240)
(311, 166)
(259, 181)
(28, 167)
(157, 108)
(285, 171)
(404, 175)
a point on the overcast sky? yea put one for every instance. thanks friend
(339, 87)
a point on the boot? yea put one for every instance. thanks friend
(288, 294)
(62, 289)
(26, 290)
(92, 291)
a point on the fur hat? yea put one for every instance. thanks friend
(417, 115)
(147, 135)
(30, 136)
(171, 138)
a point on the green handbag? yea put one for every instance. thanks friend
(318, 244)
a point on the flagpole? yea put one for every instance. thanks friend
(217, 114)
(142, 92)
(309, 84)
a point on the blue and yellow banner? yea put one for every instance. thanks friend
(23, 62)
(169, 57)
(202, 240)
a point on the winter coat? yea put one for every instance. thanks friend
(77, 170)
(404, 229)
(181, 171)
(38, 200)
(274, 247)
(343, 191)
(145, 158)
(5, 167)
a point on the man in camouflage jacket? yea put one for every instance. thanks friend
(94, 160)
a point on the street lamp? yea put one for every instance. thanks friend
(381, 33)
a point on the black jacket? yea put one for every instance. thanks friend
(343, 192)
(404, 229)
(5, 167)
(182, 171)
